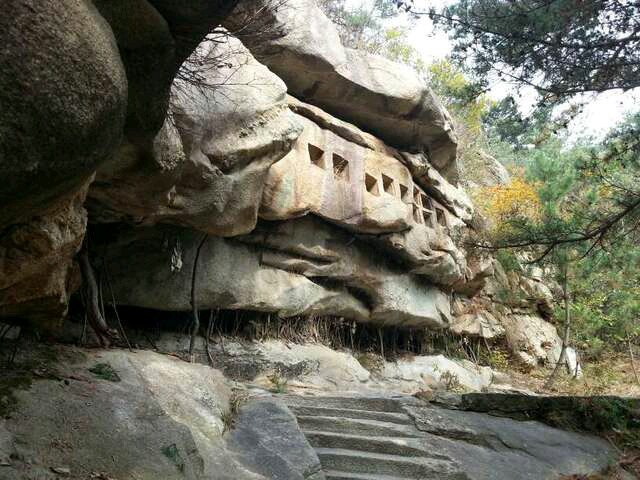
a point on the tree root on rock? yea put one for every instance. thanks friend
(92, 302)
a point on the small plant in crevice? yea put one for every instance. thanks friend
(278, 383)
(451, 382)
(173, 454)
(498, 358)
(237, 399)
(370, 361)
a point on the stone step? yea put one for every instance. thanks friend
(335, 475)
(351, 461)
(356, 426)
(390, 417)
(372, 404)
(401, 446)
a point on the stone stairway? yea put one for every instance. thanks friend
(369, 438)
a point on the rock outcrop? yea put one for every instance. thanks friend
(333, 198)
(160, 417)
(276, 172)
(37, 273)
(380, 96)
(118, 414)
(300, 267)
(400, 437)
(291, 204)
(54, 129)
(80, 81)
(208, 164)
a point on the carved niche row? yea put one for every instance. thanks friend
(425, 210)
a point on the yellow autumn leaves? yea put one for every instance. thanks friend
(502, 204)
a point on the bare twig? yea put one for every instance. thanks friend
(113, 304)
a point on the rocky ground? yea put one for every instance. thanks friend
(275, 410)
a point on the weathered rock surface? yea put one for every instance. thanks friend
(300, 267)
(355, 181)
(487, 172)
(54, 129)
(515, 306)
(155, 38)
(437, 372)
(329, 219)
(380, 96)
(266, 440)
(37, 271)
(75, 413)
(143, 415)
(317, 368)
(209, 161)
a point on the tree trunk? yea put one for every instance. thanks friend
(565, 335)
(633, 360)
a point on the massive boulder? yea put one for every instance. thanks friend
(208, 164)
(335, 198)
(55, 128)
(387, 99)
(73, 93)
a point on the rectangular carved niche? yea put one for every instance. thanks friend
(340, 168)
(428, 219)
(404, 194)
(387, 185)
(441, 217)
(371, 184)
(426, 202)
(317, 156)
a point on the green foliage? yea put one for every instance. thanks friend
(602, 415)
(467, 106)
(498, 359)
(451, 382)
(560, 47)
(508, 260)
(105, 372)
(606, 304)
(577, 188)
(278, 383)
(365, 26)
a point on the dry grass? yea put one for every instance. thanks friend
(238, 398)
(610, 375)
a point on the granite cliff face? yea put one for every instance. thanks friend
(305, 177)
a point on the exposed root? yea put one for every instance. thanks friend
(92, 302)
(194, 305)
